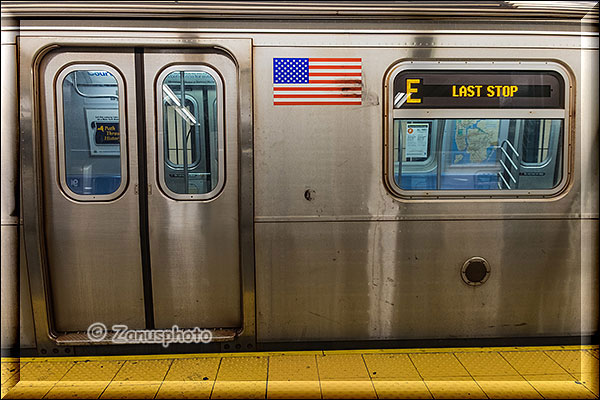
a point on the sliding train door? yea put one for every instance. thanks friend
(89, 181)
(192, 148)
(139, 151)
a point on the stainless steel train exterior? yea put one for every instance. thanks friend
(309, 173)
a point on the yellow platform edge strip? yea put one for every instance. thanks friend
(308, 352)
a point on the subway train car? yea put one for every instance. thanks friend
(268, 175)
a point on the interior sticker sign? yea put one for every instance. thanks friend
(106, 132)
(103, 131)
(417, 137)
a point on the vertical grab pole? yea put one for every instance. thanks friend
(184, 134)
(207, 138)
(400, 145)
(439, 151)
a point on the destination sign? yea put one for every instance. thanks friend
(478, 89)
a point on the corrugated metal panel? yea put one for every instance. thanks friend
(303, 9)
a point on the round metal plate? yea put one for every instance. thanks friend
(475, 271)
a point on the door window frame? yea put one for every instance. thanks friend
(60, 130)
(160, 134)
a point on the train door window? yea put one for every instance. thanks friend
(492, 130)
(91, 143)
(190, 132)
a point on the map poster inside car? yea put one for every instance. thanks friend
(478, 89)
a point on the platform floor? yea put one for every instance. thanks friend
(495, 373)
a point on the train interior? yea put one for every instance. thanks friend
(92, 140)
(483, 154)
(192, 127)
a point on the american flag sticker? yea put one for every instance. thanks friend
(317, 81)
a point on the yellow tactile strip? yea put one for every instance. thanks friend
(495, 373)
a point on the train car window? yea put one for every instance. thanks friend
(191, 131)
(463, 131)
(90, 132)
(479, 154)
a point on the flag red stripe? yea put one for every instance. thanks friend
(349, 82)
(317, 88)
(315, 103)
(316, 96)
(335, 59)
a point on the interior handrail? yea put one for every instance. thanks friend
(512, 178)
(511, 147)
(507, 156)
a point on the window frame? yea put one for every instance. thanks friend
(60, 131)
(476, 113)
(160, 138)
